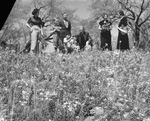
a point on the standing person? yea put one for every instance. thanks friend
(65, 25)
(35, 24)
(105, 34)
(56, 34)
(123, 40)
(83, 37)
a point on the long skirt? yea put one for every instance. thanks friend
(123, 41)
(106, 40)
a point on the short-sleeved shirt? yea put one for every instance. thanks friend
(35, 21)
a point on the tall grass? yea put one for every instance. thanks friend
(65, 88)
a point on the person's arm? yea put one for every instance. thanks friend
(69, 39)
(59, 23)
(123, 25)
(57, 26)
(100, 26)
(65, 40)
(28, 24)
(69, 27)
(110, 25)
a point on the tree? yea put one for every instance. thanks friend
(15, 23)
(51, 9)
(18, 13)
(48, 8)
(139, 13)
(99, 7)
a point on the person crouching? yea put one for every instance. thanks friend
(67, 43)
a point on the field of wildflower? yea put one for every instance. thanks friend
(54, 87)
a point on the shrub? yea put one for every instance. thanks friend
(62, 88)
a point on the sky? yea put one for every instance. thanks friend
(81, 6)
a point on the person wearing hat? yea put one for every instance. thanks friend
(35, 24)
(123, 40)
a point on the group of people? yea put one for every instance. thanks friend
(105, 32)
(65, 42)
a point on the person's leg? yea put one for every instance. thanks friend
(109, 41)
(34, 35)
(103, 43)
(37, 46)
(55, 41)
(61, 46)
(104, 40)
(82, 48)
(119, 41)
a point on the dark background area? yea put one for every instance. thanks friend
(5, 9)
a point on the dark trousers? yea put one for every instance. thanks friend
(57, 42)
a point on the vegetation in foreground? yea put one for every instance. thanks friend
(65, 88)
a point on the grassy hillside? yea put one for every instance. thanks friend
(64, 88)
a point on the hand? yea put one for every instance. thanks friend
(42, 32)
(31, 29)
(100, 29)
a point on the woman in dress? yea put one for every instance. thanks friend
(35, 24)
(123, 40)
(105, 34)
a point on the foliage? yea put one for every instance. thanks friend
(66, 87)
(137, 12)
(15, 28)
(99, 7)
(12, 29)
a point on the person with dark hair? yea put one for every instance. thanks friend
(65, 30)
(123, 40)
(105, 34)
(35, 24)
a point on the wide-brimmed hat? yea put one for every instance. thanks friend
(34, 12)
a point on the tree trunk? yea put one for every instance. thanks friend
(137, 35)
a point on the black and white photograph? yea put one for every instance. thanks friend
(75, 60)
